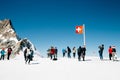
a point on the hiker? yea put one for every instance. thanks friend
(83, 52)
(30, 56)
(25, 54)
(48, 53)
(56, 51)
(79, 51)
(110, 52)
(69, 51)
(2, 53)
(114, 54)
(52, 52)
(64, 52)
(9, 53)
(74, 52)
(101, 48)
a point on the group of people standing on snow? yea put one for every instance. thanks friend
(111, 51)
(52, 53)
(28, 54)
(81, 52)
(3, 52)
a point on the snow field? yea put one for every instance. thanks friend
(62, 69)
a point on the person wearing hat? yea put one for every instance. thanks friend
(2, 54)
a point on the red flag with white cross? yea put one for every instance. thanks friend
(79, 29)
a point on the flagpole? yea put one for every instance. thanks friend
(84, 37)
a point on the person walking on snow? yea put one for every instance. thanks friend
(74, 52)
(110, 52)
(9, 53)
(52, 52)
(2, 53)
(56, 51)
(79, 51)
(30, 56)
(114, 54)
(83, 52)
(25, 54)
(64, 51)
(69, 51)
(101, 48)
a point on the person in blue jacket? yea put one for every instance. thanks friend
(2, 53)
(101, 48)
(64, 51)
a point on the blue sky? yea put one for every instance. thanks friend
(52, 22)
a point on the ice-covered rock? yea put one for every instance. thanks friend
(9, 38)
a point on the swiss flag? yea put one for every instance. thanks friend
(79, 29)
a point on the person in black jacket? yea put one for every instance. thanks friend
(83, 52)
(30, 56)
(69, 51)
(25, 54)
(56, 51)
(79, 51)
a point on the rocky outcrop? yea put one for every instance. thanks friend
(9, 38)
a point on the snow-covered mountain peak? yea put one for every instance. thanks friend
(9, 38)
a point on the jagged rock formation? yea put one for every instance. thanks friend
(9, 38)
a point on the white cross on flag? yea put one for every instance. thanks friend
(79, 29)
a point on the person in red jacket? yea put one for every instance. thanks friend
(9, 53)
(52, 52)
(110, 52)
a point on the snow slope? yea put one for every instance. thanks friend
(63, 69)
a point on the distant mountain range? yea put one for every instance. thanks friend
(9, 38)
